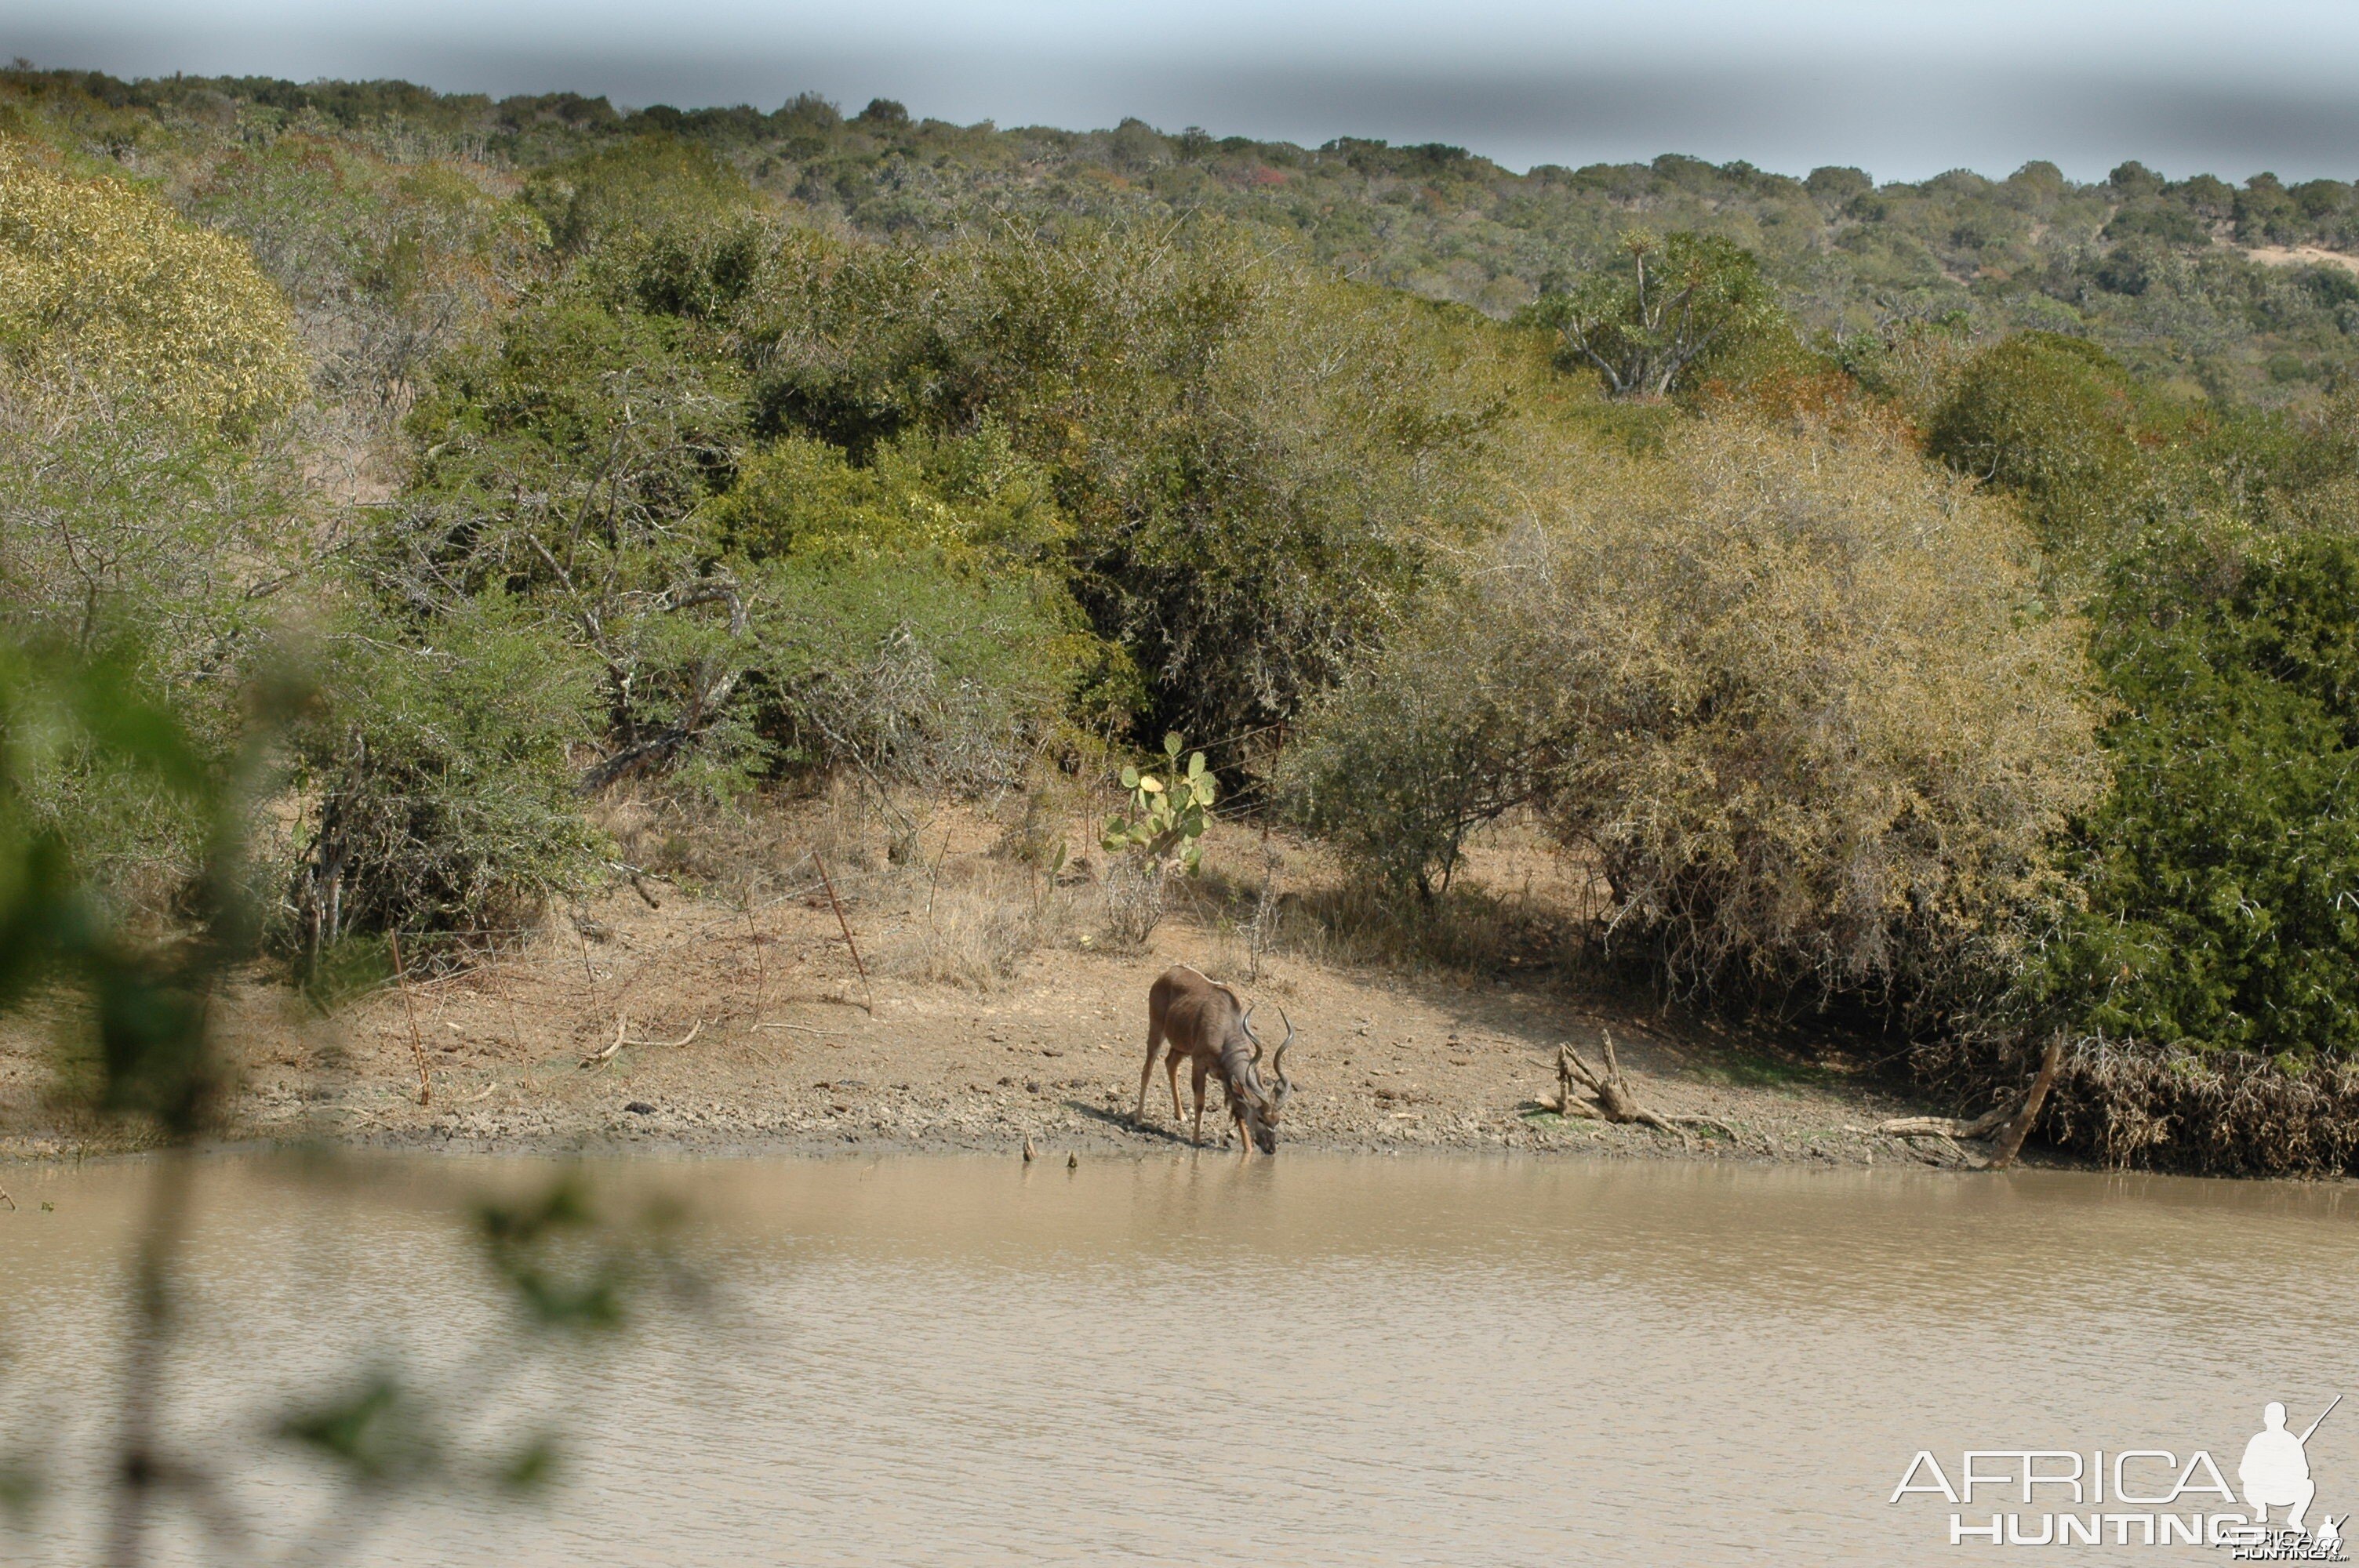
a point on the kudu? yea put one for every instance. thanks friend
(1204, 1024)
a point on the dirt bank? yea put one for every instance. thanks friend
(746, 1025)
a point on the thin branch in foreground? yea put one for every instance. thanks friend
(857, 962)
(417, 1045)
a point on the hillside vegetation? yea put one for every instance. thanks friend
(1921, 608)
(2160, 271)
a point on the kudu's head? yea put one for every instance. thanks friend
(1263, 1099)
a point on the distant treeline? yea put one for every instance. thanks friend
(2155, 269)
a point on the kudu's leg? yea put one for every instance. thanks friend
(1197, 1083)
(1171, 1072)
(1145, 1072)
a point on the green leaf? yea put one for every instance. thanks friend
(1171, 744)
(1129, 778)
(530, 1467)
(1196, 764)
(1151, 784)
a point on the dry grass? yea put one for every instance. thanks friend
(971, 925)
(965, 892)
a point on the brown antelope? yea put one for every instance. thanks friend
(1204, 1021)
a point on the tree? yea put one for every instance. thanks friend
(1683, 301)
(2053, 419)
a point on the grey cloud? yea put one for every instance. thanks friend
(1907, 121)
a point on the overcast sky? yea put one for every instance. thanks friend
(1902, 88)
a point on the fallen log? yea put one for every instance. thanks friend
(2010, 1141)
(2009, 1123)
(1611, 1096)
(1982, 1126)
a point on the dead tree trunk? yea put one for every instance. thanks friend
(2010, 1141)
(1614, 1099)
(2010, 1123)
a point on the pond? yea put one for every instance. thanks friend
(1302, 1360)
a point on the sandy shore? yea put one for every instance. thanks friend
(755, 1033)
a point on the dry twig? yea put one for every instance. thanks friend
(608, 1051)
(417, 1045)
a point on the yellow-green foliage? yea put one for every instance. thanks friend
(1792, 691)
(100, 284)
(1827, 735)
(974, 500)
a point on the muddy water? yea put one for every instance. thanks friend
(1298, 1361)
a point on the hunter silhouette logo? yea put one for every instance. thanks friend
(2141, 1497)
(2276, 1469)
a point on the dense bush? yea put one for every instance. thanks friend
(387, 266)
(153, 507)
(99, 282)
(2220, 913)
(437, 770)
(2053, 419)
(1255, 461)
(647, 184)
(586, 521)
(912, 615)
(1794, 695)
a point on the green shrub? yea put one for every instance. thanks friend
(647, 184)
(2220, 914)
(2053, 419)
(438, 768)
(1257, 462)
(566, 466)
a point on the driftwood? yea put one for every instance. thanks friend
(1612, 1098)
(2010, 1139)
(1916, 1136)
(614, 1047)
(2009, 1123)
